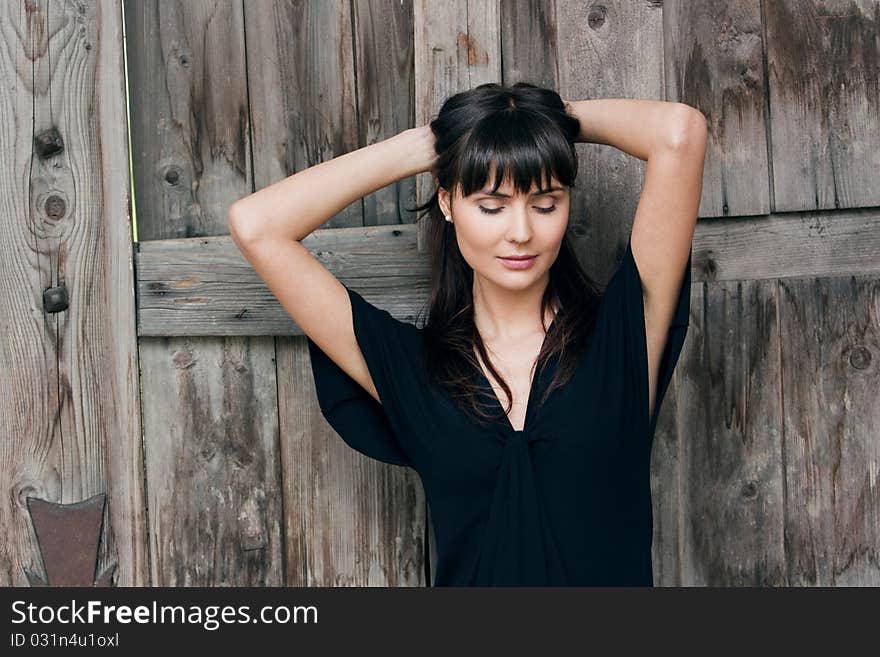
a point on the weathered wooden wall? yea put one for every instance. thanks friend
(766, 455)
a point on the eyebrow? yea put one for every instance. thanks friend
(540, 192)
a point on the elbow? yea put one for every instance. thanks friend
(689, 129)
(241, 228)
(250, 226)
(231, 219)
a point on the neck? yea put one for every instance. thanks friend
(504, 314)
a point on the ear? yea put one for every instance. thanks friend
(443, 200)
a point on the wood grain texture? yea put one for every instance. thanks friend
(714, 61)
(824, 80)
(69, 421)
(730, 497)
(205, 286)
(212, 461)
(830, 372)
(209, 404)
(529, 43)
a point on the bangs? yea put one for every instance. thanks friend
(521, 147)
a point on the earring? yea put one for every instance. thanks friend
(448, 218)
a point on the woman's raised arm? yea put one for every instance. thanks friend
(672, 138)
(294, 207)
(269, 225)
(636, 126)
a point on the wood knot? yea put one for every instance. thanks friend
(596, 16)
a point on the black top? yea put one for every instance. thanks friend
(564, 502)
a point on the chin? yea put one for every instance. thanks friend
(517, 280)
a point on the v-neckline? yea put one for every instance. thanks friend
(531, 393)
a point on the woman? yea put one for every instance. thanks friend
(552, 487)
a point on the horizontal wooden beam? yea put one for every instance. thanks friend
(205, 286)
(788, 245)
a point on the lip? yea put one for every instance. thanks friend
(518, 262)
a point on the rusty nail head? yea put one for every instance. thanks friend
(48, 143)
(55, 299)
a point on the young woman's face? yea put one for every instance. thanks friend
(491, 227)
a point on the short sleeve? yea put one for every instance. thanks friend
(623, 302)
(388, 346)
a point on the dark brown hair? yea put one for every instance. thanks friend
(525, 132)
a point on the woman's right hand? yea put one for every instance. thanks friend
(421, 142)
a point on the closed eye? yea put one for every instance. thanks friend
(497, 210)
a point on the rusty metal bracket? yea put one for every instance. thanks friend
(68, 536)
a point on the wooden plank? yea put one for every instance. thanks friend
(205, 286)
(788, 245)
(348, 520)
(210, 404)
(714, 61)
(824, 110)
(212, 461)
(68, 396)
(830, 330)
(723, 437)
(528, 43)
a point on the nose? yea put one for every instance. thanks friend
(519, 228)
